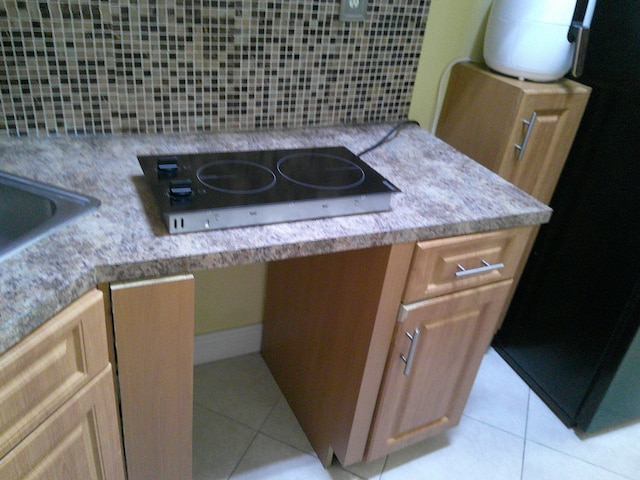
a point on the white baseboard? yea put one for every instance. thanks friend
(227, 343)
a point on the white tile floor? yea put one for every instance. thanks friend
(244, 429)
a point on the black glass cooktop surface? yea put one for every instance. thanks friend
(202, 191)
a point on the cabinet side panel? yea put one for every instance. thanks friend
(154, 328)
(464, 122)
(381, 338)
(319, 317)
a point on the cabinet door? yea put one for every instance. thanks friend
(426, 396)
(487, 116)
(79, 441)
(545, 127)
(153, 323)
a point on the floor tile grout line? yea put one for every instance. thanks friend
(358, 477)
(270, 437)
(275, 405)
(384, 467)
(273, 408)
(279, 440)
(526, 432)
(244, 454)
(259, 432)
(580, 459)
(483, 422)
(350, 472)
(235, 420)
(281, 398)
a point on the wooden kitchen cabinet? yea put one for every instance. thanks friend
(58, 415)
(328, 323)
(335, 328)
(80, 440)
(437, 349)
(521, 130)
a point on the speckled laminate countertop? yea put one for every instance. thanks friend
(443, 194)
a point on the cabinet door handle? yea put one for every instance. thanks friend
(408, 360)
(487, 267)
(527, 135)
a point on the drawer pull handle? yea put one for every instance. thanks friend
(527, 135)
(487, 267)
(408, 360)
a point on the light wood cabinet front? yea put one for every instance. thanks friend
(45, 369)
(548, 124)
(449, 265)
(153, 322)
(58, 415)
(521, 130)
(449, 335)
(80, 440)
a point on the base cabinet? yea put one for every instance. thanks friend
(377, 349)
(79, 441)
(437, 349)
(58, 415)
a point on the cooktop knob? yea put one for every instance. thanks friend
(180, 190)
(167, 167)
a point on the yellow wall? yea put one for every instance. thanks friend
(229, 297)
(233, 297)
(455, 29)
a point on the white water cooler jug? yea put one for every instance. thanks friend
(535, 39)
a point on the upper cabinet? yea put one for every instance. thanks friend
(521, 130)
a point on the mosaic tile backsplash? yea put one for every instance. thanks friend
(99, 67)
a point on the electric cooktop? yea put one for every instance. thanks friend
(207, 191)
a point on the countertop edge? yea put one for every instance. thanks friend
(85, 255)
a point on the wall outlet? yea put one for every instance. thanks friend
(353, 10)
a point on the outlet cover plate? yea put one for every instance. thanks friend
(353, 10)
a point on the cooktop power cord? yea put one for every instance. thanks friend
(393, 133)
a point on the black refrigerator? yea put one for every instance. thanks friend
(572, 329)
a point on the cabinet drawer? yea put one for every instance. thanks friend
(49, 366)
(79, 441)
(448, 265)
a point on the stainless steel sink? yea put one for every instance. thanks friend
(31, 210)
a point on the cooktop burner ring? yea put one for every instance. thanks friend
(223, 176)
(335, 173)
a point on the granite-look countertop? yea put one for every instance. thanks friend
(443, 194)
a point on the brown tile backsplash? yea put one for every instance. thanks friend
(98, 66)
